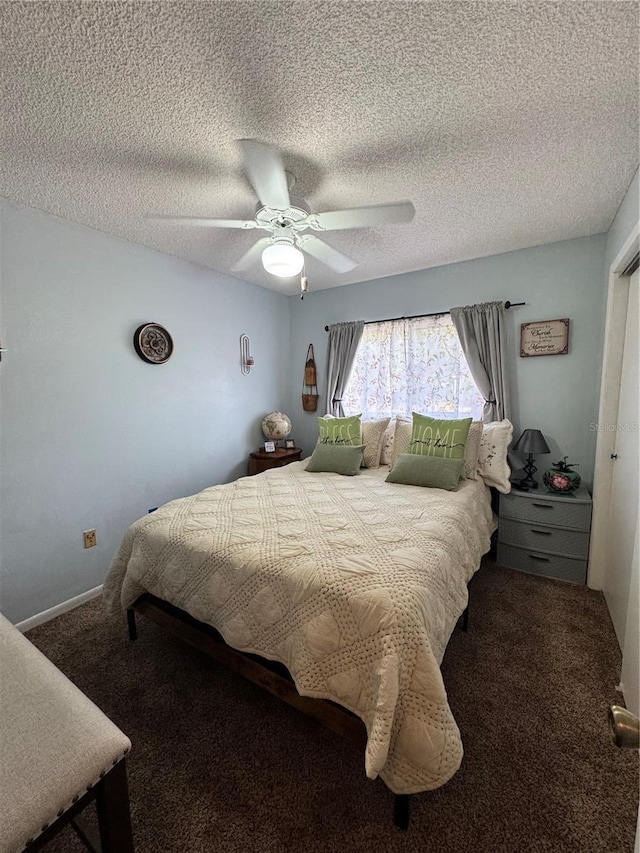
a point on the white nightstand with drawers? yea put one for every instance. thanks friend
(545, 533)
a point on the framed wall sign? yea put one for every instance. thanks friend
(544, 337)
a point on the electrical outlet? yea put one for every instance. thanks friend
(89, 538)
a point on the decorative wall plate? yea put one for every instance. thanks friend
(153, 343)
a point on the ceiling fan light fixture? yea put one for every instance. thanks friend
(283, 259)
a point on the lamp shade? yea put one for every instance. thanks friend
(282, 259)
(531, 441)
(515, 459)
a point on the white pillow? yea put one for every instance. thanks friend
(472, 450)
(372, 436)
(387, 443)
(401, 438)
(493, 466)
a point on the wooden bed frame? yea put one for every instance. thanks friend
(270, 675)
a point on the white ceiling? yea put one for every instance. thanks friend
(507, 124)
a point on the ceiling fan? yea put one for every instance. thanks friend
(286, 218)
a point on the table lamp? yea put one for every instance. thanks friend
(531, 441)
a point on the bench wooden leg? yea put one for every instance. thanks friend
(402, 810)
(112, 806)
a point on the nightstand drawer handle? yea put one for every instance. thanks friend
(541, 532)
(540, 559)
(544, 506)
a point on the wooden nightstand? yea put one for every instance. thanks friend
(544, 533)
(262, 461)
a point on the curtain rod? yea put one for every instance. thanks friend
(507, 305)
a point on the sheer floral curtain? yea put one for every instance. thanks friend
(412, 365)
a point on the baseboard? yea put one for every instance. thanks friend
(52, 612)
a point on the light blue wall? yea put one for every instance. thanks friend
(625, 219)
(557, 394)
(92, 437)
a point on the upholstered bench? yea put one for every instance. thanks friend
(58, 752)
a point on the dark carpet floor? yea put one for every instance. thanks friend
(218, 765)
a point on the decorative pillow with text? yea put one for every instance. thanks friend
(444, 438)
(340, 430)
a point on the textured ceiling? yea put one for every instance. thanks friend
(508, 124)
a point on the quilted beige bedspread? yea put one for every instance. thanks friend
(353, 583)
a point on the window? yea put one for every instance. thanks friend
(413, 365)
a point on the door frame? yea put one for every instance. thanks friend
(616, 318)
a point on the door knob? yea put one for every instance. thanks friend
(625, 727)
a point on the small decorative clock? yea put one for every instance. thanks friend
(153, 343)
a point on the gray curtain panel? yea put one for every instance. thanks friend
(341, 352)
(482, 332)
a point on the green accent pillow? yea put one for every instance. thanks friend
(434, 472)
(336, 459)
(340, 430)
(443, 438)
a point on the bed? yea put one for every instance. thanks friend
(353, 584)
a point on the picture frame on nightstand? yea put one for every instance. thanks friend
(290, 444)
(269, 447)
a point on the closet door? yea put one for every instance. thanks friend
(623, 511)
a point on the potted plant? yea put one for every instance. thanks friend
(562, 478)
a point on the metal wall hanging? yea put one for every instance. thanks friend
(153, 343)
(246, 359)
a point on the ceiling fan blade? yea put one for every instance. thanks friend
(325, 253)
(209, 223)
(363, 217)
(264, 168)
(252, 256)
